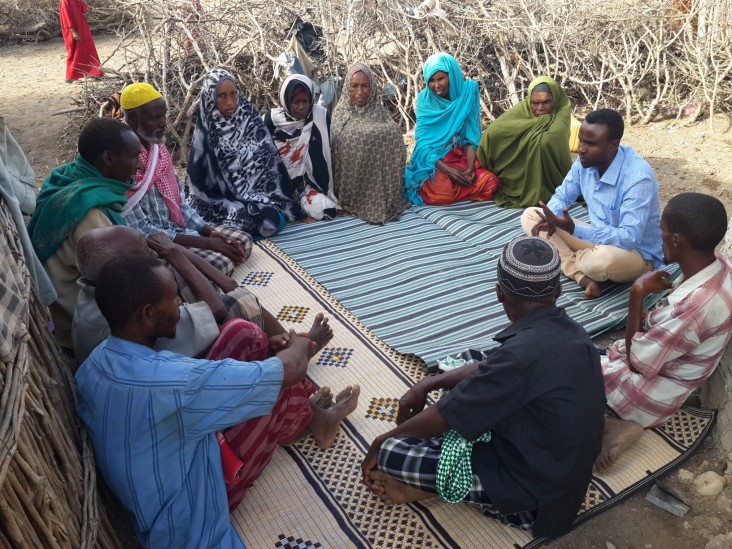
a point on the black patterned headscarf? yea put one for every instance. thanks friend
(235, 174)
(529, 267)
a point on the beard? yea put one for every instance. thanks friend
(151, 138)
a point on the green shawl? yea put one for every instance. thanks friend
(529, 154)
(66, 197)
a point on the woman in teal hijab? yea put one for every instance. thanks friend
(528, 146)
(443, 168)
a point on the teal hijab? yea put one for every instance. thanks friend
(66, 197)
(441, 122)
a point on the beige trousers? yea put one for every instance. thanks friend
(580, 258)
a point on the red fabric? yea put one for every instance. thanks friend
(255, 441)
(164, 179)
(441, 190)
(82, 58)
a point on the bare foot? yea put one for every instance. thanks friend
(618, 436)
(309, 219)
(394, 492)
(593, 290)
(320, 334)
(326, 420)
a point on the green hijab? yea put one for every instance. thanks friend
(529, 154)
(66, 197)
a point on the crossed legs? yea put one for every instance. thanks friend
(589, 264)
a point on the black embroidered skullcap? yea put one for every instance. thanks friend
(529, 267)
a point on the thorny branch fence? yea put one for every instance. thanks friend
(649, 59)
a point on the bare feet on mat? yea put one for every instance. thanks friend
(320, 334)
(618, 436)
(394, 492)
(593, 290)
(327, 416)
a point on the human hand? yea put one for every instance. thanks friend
(469, 174)
(223, 244)
(457, 177)
(554, 222)
(370, 463)
(75, 35)
(411, 403)
(653, 282)
(279, 342)
(161, 244)
(227, 284)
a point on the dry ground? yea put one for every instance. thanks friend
(32, 87)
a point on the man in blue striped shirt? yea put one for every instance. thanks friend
(623, 239)
(153, 415)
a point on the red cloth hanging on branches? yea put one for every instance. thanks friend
(82, 58)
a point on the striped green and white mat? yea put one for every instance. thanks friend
(426, 284)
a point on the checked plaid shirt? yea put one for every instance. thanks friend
(683, 342)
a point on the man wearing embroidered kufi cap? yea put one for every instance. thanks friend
(519, 430)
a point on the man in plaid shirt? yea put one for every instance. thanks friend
(675, 348)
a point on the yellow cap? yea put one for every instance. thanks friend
(138, 94)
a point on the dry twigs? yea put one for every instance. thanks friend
(48, 493)
(650, 59)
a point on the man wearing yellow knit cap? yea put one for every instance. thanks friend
(155, 203)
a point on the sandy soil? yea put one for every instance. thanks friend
(32, 88)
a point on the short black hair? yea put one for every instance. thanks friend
(611, 118)
(125, 284)
(99, 135)
(700, 218)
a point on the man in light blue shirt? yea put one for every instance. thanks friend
(153, 415)
(623, 239)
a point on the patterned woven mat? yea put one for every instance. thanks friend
(308, 498)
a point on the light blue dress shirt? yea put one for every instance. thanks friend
(624, 207)
(152, 417)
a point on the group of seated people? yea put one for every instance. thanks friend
(187, 384)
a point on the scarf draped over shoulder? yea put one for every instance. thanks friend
(530, 154)
(441, 122)
(66, 197)
(368, 155)
(304, 145)
(235, 174)
(156, 168)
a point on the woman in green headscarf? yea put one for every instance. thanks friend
(527, 147)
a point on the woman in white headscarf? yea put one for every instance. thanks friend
(301, 132)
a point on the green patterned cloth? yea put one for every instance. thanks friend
(454, 468)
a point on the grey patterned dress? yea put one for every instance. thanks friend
(368, 156)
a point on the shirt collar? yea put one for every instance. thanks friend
(685, 287)
(512, 329)
(612, 174)
(128, 347)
